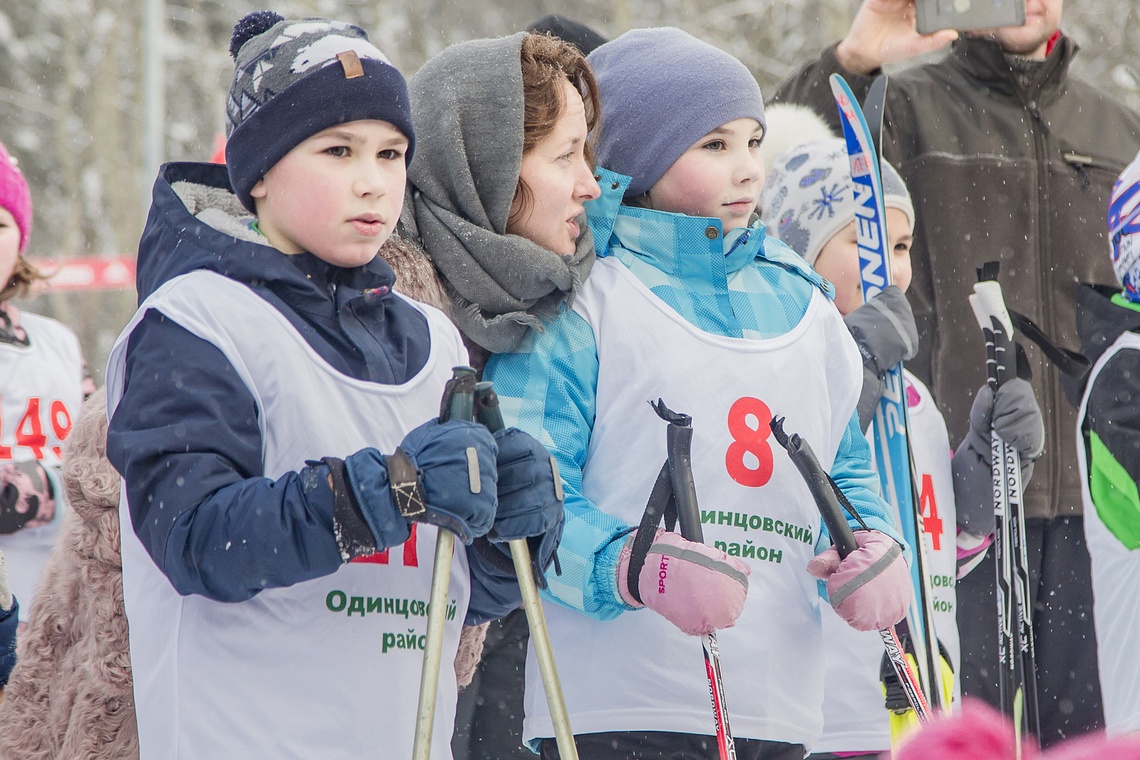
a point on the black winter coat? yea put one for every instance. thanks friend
(998, 171)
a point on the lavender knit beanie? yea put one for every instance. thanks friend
(662, 90)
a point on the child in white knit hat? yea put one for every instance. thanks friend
(808, 202)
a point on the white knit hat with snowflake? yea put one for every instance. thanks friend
(808, 196)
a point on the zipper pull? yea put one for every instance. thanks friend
(1036, 113)
(1079, 162)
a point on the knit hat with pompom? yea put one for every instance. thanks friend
(293, 79)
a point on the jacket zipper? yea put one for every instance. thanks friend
(1040, 133)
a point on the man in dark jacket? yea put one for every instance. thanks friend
(1007, 157)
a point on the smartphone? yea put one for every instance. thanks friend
(965, 15)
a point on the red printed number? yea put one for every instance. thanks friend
(749, 457)
(411, 558)
(29, 432)
(931, 522)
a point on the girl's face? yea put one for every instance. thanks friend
(559, 181)
(839, 261)
(9, 245)
(720, 176)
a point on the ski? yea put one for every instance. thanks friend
(827, 499)
(1017, 662)
(892, 449)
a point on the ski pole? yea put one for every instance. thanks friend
(1017, 681)
(679, 442)
(487, 412)
(824, 491)
(458, 404)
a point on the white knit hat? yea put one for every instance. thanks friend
(807, 197)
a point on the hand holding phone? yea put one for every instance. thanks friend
(883, 32)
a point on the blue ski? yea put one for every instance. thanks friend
(892, 450)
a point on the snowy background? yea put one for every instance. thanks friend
(73, 109)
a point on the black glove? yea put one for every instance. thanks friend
(1015, 417)
(432, 477)
(886, 334)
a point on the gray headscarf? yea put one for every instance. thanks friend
(467, 106)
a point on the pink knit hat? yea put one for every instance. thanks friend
(15, 196)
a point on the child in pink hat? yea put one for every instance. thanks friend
(41, 388)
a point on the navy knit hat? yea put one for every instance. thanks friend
(662, 90)
(293, 79)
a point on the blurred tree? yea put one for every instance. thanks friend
(71, 100)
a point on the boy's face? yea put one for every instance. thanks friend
(720, 176)
(9, 245)
(839, 260)
(337, 195)
(559, 181)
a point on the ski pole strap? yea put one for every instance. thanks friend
(1070, 363)
(661, 503)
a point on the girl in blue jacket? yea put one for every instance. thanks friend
(691, 302)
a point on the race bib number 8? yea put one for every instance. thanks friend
(749, 456)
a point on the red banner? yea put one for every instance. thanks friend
(89, 273)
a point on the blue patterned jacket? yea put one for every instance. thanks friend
(742, 285)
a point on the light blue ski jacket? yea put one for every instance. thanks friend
(742, 285)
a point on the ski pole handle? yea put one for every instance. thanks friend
(488, 413)
(843, 538)
(458, 404)
(679, 440)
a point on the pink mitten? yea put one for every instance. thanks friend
(695, 587)
(870, 588)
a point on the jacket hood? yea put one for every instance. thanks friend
(197, 222)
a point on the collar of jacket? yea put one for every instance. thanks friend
(175, 242)
(985, 61)
(651, 236)
(1101, 319)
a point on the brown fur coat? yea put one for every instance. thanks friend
(70, 696)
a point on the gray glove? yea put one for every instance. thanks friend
(885, 332)
(1015, 417)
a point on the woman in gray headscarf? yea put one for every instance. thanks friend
(496, 190)
(495, 197)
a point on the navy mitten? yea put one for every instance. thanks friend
(442, 473)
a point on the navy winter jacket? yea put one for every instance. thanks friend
(208, 517)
